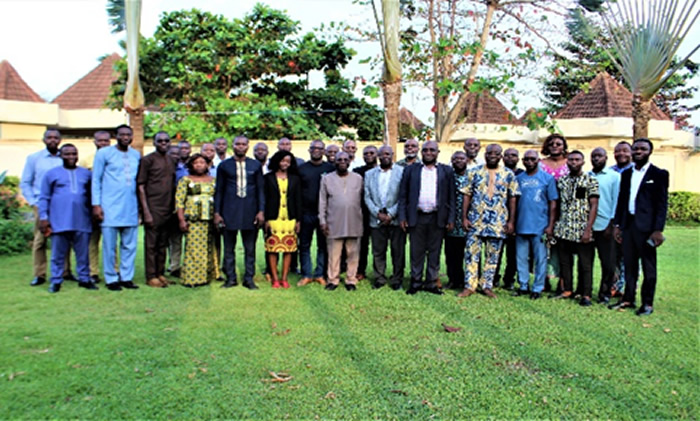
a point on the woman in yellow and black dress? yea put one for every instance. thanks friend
(282, 213)
(194, 202)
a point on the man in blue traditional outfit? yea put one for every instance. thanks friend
(64, 214)
(114, 203)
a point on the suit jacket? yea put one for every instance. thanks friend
(651, 204)
(272, 197)
(373, 199)
(410, 191)
(239, 213)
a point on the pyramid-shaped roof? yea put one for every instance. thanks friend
(606, 97)
(92, 90)
(408, 118)
(484, 108)
(13, 87)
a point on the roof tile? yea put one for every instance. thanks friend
(484, 108)
(92, 90)
(13, 87)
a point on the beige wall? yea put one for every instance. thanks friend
(21, 131)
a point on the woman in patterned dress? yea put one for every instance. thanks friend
(194, 201)
(282, 213)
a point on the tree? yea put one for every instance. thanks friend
(212, 76)
(446, 49)
(646, 36)
(587, 53)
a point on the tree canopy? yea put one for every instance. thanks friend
(212, 76)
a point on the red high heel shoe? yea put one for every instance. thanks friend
(276, 284)
(285, 284)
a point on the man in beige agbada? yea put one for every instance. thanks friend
(340, 218)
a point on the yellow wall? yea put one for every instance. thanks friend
(21, 131)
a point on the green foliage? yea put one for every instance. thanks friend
(587, 54)
(10, 200)
(15, 236)
(684, 206)
(213, 76)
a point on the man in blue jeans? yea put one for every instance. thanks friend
(310, 173)
(535, 217)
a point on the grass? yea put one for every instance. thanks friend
(208, 352)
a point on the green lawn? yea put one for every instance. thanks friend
(208, 352)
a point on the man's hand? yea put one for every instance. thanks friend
(587, 236)
(510, 228)
(259, 218)
(657, 237)
(219, 221)
(608, 231)
(549, 232)
(403, 225)
(450, 226)
(97, 213)
(147, 220)
(45, 227)
(184, 227)
(325, 230)
(617, 235)
(466, 224)
(297, 227)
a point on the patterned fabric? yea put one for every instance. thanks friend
(458, 230)
(488, 212)
(241, 178)
(574, 193)
(200, 265)
(492, 249)
(556, 173)
(283, 237)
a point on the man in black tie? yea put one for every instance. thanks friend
(639, 223)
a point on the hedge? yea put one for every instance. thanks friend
(684, 206)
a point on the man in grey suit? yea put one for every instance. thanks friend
(382, 199)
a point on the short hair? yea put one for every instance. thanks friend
(51, 129)
(67, 145)
(577, 152)
(102, 132)
(458, 152)
(550, 139)
(180, 143)
(274, 164)
(645, 140)
(163, 132)
(623, 142)
(194, 157)
(122, 126)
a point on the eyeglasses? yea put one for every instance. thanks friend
(429, 149)
(316, 147)
(529, 159)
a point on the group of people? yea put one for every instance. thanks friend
(539, 217)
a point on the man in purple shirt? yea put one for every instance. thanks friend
(64, 214)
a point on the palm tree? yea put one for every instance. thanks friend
(646, 36)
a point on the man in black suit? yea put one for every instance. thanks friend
(639, 223)
(426, 210)
(239, 203)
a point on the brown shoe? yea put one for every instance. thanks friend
(320, 280)
(489, 293)
(155, 283)
(268, 278)
(163, 280)
(304, 281)
(465, 293)
(360, 277)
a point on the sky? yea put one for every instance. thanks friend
(53, 43)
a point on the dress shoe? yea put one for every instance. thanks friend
(585, 302)
(350, 287)
(95, 279)
(320, 280)
(434, 290)
(175, 273)
(377, 285)
(360, 276)
(114, 286)
(644, 310)
(70, 277)
(535, 296)
(331, 287)
(489, 293)
(128, 285)
(620, 305)
(220, 279)
(395, 287)
(562, 296)
(508, 286)
(304, 282)
(412, 290)
(520, 293)
(163, 280)
(38, 281)
(276, 284)
(155, 283)
(465, 293)
(285, 284)
(603, 300)
(54, 288)
(87, 285)
(250, 285)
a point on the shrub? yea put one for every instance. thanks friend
(15, 236)
(684, 206)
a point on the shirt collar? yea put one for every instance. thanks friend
(643, 169)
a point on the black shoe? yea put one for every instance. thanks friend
(377, 285)
(38, 281)
(114, 286)
(70, 277)
(434, 290)
(331, 287)
(620, 305)
(229, 284)
(585, 302)
(54, 288)
(412, 290)
(547, 286)
(509, 286)
(603, 300)
(350, 287)
(95, 279)
(250, 285)
(535, 296)
(175, 273)
(395, 287)
(220, 279)
(644, 310)
(128, 285)
(520, 293)
(87, 285)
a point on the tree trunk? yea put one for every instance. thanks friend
(391, 83)
(136, 123)
(392, 99)
(641, 114)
